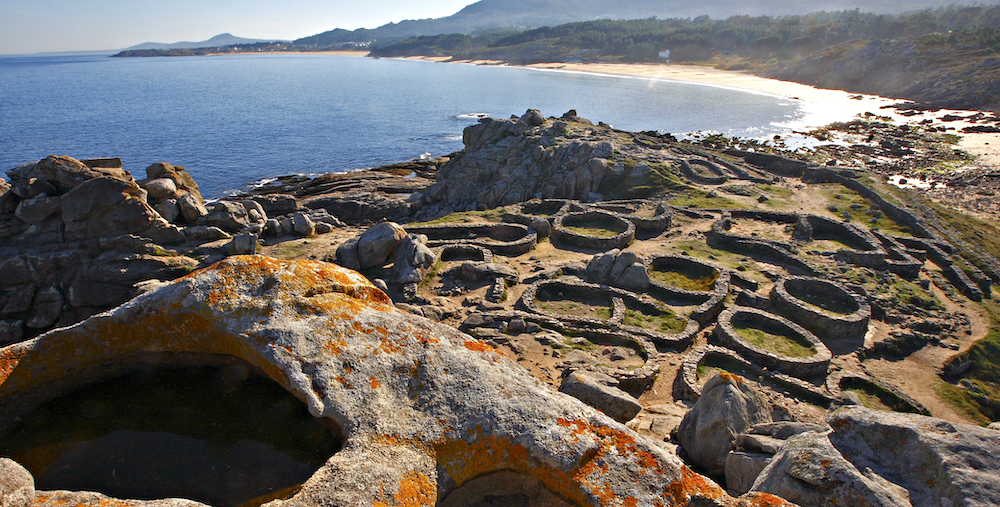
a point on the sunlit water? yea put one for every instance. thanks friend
(236, 119)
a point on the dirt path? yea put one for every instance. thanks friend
(917, 374)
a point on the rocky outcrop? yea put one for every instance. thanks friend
(810, 471)
(938, 462)
(424, 409)
(511, 161)
(728, 406)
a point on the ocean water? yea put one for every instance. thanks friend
(233, 120)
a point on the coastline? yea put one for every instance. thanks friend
(820, 106)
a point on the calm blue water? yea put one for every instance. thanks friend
(232, 120)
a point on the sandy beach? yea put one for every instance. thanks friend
(821, 106)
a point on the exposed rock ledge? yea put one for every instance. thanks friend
(424, 408)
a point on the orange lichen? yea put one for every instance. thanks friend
(415, 490)
(9, 358)
(731, 378)
(335, 346)
(691, 485)
(374, 383)
(478, 346)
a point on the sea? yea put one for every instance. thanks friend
(237, 120)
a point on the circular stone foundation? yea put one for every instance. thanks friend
(209, 428)
(773, 342)
(595, 230)
(830, 310)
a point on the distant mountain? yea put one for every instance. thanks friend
(520, 14)
(224, 39)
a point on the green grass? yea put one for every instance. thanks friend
(984, 373)
(290, 249)
(870, 400)
(732, 260)
(664, 321)
(685, 281)
(698, 198)
(599, 232)
(777, 343)
(843, 198)
(981, 233)
(468, 217)
(574, 308)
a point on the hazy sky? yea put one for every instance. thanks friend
(31, 26)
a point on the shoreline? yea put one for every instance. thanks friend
(820, 106)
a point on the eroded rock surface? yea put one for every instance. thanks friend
(424, 408)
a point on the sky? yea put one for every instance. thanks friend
(34, 26)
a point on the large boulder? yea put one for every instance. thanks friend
(226, 215)
(105, 207)
(377, 243)
(424, 410)
(728, 406)
(938, 462)
(182, 180)
(413, 259)
(809, 470)
(601, 392)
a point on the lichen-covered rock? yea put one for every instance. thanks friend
(424, 408)
(809, 470)
(728, 406)
(90, 499)
(937, 461)
(17, 487)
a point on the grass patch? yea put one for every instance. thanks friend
(599, 232)
(697, 198)
(860, 209)
(685, 281)
(571, 308)
(870, 400)
(664, 321)
(778, 343)
(980, 233)
(289, 250)
(982, 401)
(731, 260)
(469, 217)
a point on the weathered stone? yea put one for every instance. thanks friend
(105, 207)
(11, 331)
(191, 207)
(19, 300)
(484, 271)
(303, 225)
(160, 188)
(168, 209)
(46, 309)
(623, 262)
(599, 267)
(938, 462)
(37, 209)
(276, 204)
(226, 215)
(635, 278)
(255, 211)
(377, 243)
(85, 293)
(417, 402)
(323, 228)
(728, 406)
(810, 471)
(203, 233)
(56, 175)
(601, 392)
(541, 226)
(413, 258)
(17, 487)
(91, 499)
(742, 469)
(181, 178)
(243, 243)
(347, 254)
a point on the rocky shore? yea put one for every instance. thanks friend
(728, 323)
